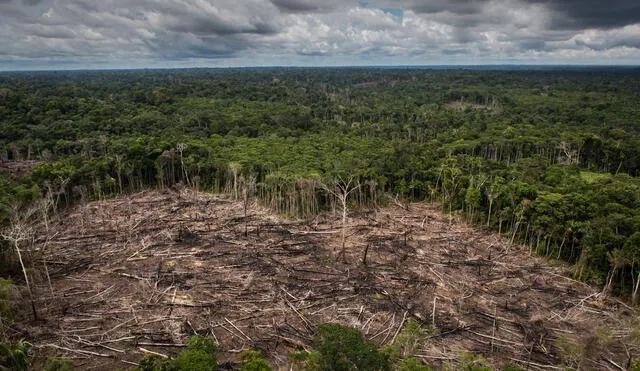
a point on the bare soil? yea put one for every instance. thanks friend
(141, 273)
(19, 168)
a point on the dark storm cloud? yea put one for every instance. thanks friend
(296, 6)
(460, 7)
(202, 25)
(581, 14)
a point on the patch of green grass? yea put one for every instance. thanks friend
(593, 177)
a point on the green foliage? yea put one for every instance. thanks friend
(59, 364)
(474, 362)
(570, 350)
(153, 363)
(407, 344)
(202, 343)
(200, 354)
(510, 367)
(549, 158)
(412, 364)
(8, 292)
(341, 348)
(14, 357)
(195, 360)
(252, 361)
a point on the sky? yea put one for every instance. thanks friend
(97, 34)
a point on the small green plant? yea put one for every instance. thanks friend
(153, 363)
(303, 360)
(14, 358)
(473, 362)
(570, 351)
(252, 361)
(59, 364)
(407, 344)
(344, 348)
(340, 348)
(511, 367)
(412, 364)
(200, 355)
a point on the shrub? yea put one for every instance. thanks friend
(14, 358)
(473, 362)
(252, 361)
(199, 355)
(412, 364)
(344, 348)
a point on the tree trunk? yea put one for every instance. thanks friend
(26, 279)
(634, 296)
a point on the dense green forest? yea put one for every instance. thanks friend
(547, 157)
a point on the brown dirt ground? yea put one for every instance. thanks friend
(141, 273)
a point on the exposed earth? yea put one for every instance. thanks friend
(141, 273)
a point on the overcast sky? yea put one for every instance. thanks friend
(69, 34)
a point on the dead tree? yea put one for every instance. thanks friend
(181, 147)
(340, 188)
(18, 232)
(248, 185)
(235, 168)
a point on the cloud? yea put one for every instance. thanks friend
(583, 14)
(254, 32)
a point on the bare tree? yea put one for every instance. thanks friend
(17, 233)
(340, 188)
(181, 147)
(248, 185)
(235, 168)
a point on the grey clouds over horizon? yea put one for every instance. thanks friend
(63, 34)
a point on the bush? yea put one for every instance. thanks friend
(412, 364)
(473, 362)
(344, 348)
(199, 355)
(14, 358)
(252, 361)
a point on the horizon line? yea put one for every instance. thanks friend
(522, 66)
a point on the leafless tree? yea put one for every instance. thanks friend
(340, 188)
(181, 147)
(235, 168)
(248, 185)
(18, 232)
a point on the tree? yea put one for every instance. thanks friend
(181, 147)
(17, 233)
(340, 188)
(248, 185)
(632, 251)
(343, 348)
(252, 361)
(494, 191)
(235, 168)
(618, 259)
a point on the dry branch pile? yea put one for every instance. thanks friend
(139, 274)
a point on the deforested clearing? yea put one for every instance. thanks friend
(141, 273)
